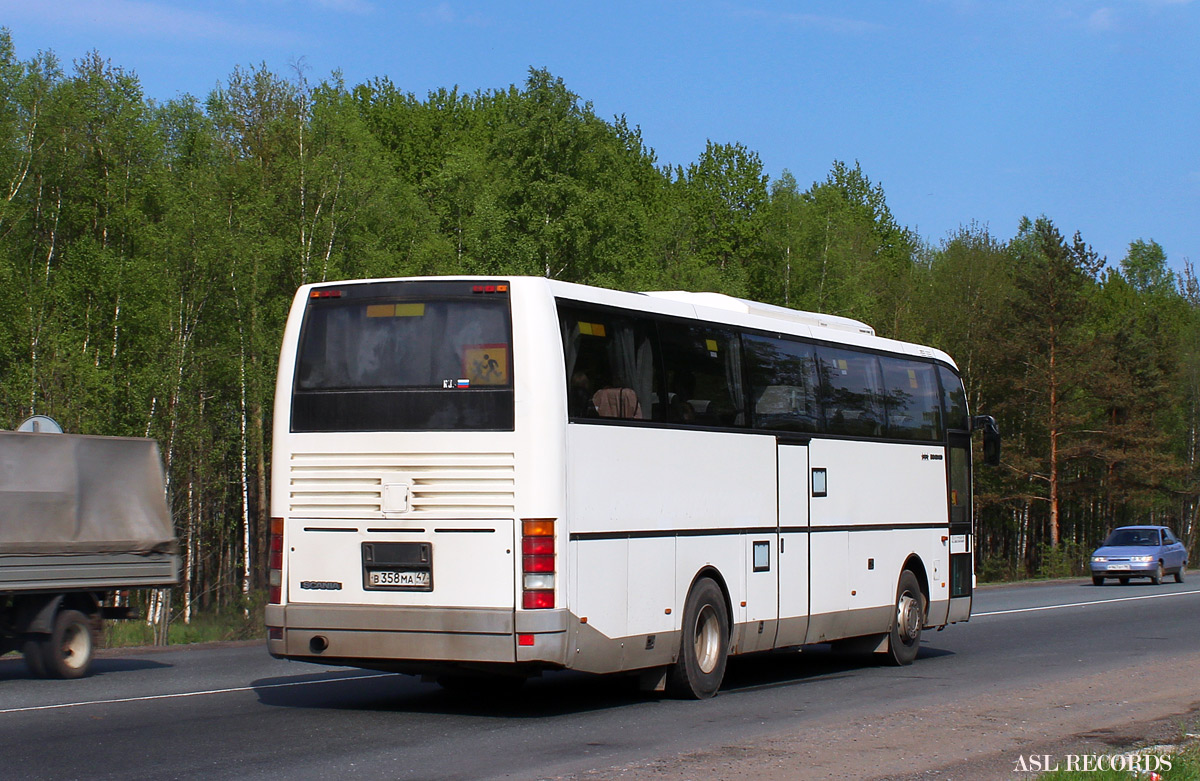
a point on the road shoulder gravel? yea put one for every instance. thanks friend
(969, 740)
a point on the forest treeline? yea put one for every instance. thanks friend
(149, 251)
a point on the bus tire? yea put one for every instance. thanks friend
(904, 639)
(68, 651)
(704, 644)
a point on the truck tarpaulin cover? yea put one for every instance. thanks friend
(64, 493)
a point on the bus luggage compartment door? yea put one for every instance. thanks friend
(442, 563)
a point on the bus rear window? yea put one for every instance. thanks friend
(404, 356)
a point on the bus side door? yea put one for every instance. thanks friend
(793, 543)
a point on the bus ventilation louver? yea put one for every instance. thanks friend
(351, 485)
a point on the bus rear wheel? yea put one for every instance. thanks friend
(704, 646)
(904, 640)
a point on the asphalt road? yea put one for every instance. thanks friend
(226, 712)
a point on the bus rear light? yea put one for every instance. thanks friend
(275, 563)
(537, 546)
(538, 600)
(537, 563)
(538, 580)
(537, 527)
(524, 639)
(275, 555)
(538, 554)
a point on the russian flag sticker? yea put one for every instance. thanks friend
(464, 383)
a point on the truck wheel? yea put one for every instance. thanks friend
(704, 646)
(35, 659)
(68, 651)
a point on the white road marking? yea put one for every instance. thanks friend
(235, 689)
(1084, 604)
(177, 695)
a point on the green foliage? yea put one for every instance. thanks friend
(152, 252)
(1069, 559)
(230, 623)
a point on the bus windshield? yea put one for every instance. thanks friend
(440, 346)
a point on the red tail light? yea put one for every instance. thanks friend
(537, 600)
(538, 554)
(275, 563)
(537, 563)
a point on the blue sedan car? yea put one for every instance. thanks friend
(1139, 552)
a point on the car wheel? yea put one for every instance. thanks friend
(1157, 577)
(1179, 574)
(1097, 580)
(704, 647)
(904, 640)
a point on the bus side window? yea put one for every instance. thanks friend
(783, 384)
(611, 364)
(852, 392)
(913, 406)
(704, 375)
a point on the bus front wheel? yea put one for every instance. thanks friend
(904, 639)
(704, 646)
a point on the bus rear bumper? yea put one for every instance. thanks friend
(372, 635)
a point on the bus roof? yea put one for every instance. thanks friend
(732, 304)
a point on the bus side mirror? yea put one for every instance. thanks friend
(991, 438)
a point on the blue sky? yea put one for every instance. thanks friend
(964, 110)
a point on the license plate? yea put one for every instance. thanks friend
(1118, 567)
(392, 577)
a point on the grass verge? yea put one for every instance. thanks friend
(228, 624)
(1179, 761)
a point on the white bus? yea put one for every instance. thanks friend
(497, 477)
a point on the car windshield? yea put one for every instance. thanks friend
(1147, 537)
